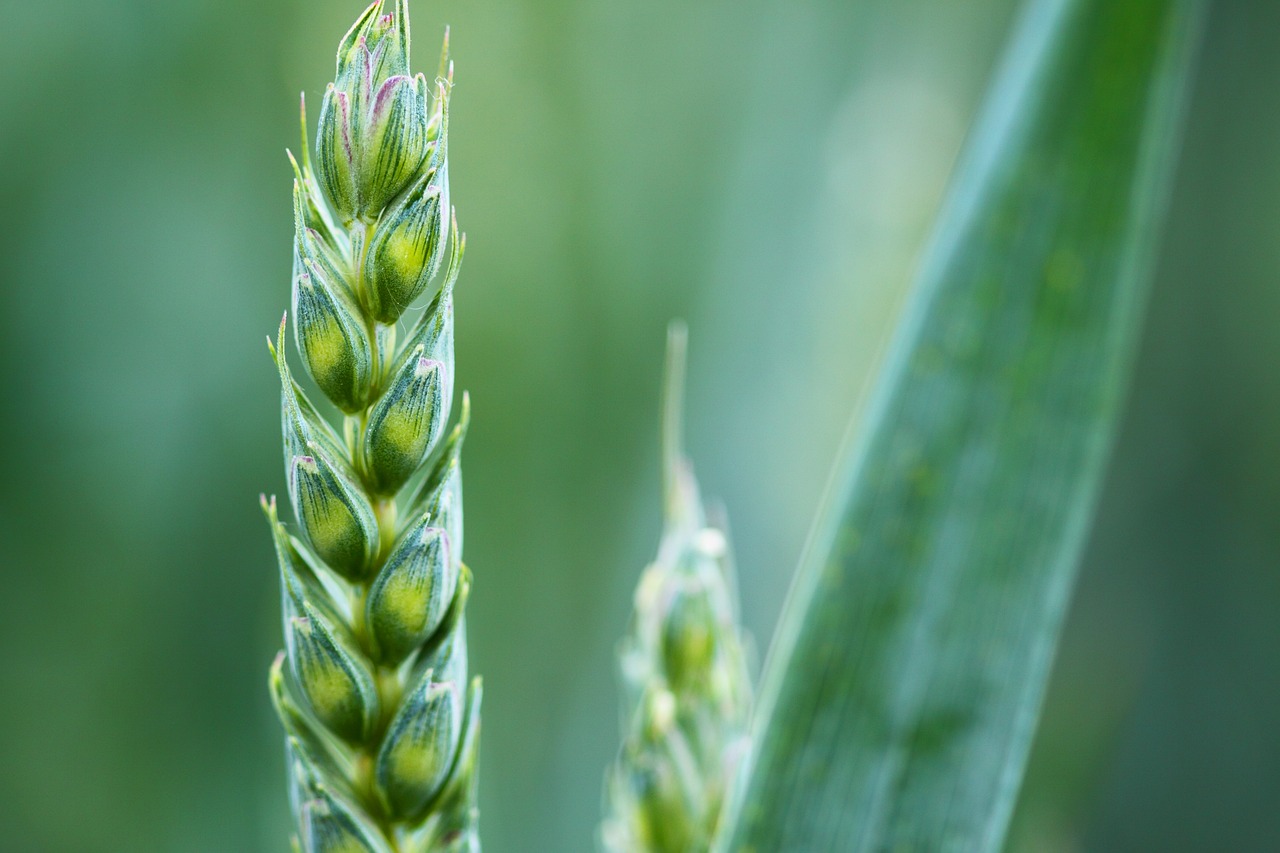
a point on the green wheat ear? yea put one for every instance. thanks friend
(381, 723)
(688, 692)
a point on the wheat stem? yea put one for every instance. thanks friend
(382, 726)
(688, 693)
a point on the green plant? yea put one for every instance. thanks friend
(683, 666)
(382, 727)
(903, 687)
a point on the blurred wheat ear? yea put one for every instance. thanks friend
(902, 690)
(382, 726)
(688, 693)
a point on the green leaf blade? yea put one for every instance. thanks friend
(902, 693)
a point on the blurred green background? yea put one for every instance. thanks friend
(767, 169)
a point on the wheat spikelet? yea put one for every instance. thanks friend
(382, 726)
(683, 665)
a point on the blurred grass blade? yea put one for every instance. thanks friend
(907, 675)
